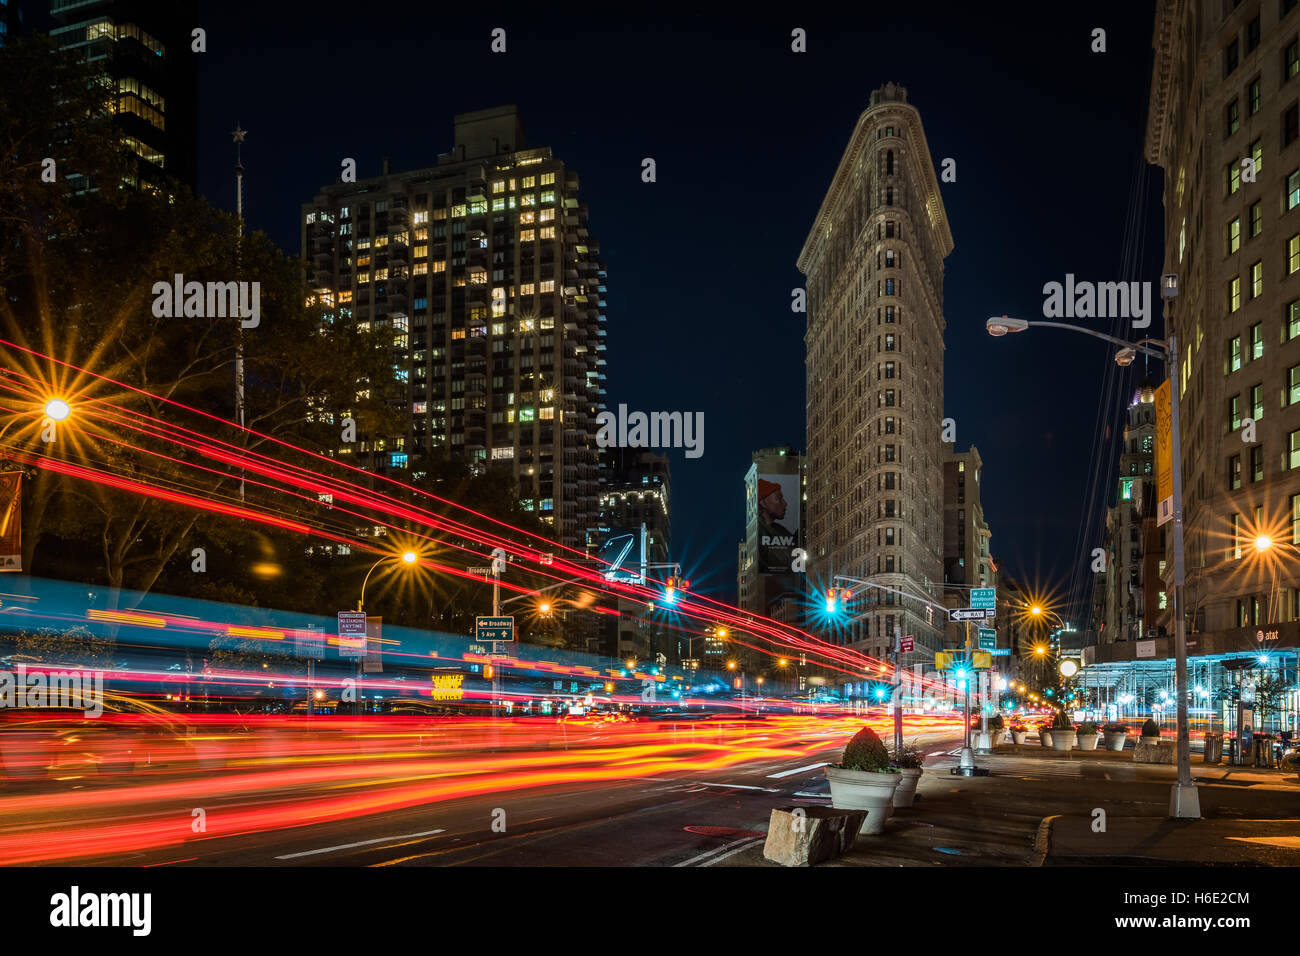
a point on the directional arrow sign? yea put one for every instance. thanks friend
(984, 597)
(494, 628)
(969, 614)
(988, 638)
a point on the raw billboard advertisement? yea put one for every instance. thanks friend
(778, 522)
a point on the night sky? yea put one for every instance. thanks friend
(746, 135)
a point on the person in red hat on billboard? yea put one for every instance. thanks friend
(775, 542)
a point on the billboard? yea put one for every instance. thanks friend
(621, 556)
(777, 500)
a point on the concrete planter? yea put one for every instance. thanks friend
(1063, 739)
(1018, 737)
(906, 791)
(998, 736)
(1115, 741)
(872, 791)
(1088, 741)
(1045, 738)
(1154, 750)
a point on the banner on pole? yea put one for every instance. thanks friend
(1164, 455)
(11, 521)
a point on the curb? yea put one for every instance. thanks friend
(1043, 838)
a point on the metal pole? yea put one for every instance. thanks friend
(496, 612)
(1183, 800)
(239, 325)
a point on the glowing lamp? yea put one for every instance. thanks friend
(56, 409)
(410, 557)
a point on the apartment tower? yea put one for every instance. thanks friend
(484, 272)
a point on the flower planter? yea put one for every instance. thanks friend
(872, 791)
(998, 736)
(1115, 741)
(906, 791)
(1018, 737)
(1088, 741)
(1045, 738)
(1062, 739)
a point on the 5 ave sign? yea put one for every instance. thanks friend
(494, 628)
(970, 613)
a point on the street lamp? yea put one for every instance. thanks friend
(1184, 803)
(406, 557)
(56, 409)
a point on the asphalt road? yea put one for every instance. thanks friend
(687, 803)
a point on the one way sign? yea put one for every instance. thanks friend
(969, 614)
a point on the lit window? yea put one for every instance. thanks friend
(527, 235)
(548, 179)
(1234, 293)
(1293, 254)
(420, 269)
(548, 232)
(1233, 233)
(548, 286)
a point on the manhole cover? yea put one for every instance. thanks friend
(724, 832)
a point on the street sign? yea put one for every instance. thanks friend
(494, 628)
(981, 660)
(479, 570)
(906, 644)
(988, 638)
(352, 633)
(984, 598)
(1000, 652)
(969, 614)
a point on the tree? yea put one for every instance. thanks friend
(78, 279)
(1270, 686)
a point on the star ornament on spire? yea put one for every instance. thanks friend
(238, 134)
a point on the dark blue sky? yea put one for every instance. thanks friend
(746, 136)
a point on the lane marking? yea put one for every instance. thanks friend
(717, 849)
(741, 786)
(349, 846)
(739, 849)
(791, 773)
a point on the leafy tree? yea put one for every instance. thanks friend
(79, 274)
(1270, 686)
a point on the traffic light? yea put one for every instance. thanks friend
(609, 688)
(836, 598)
(487, 672)
(673, 585)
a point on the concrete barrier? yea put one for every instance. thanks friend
(806, 836)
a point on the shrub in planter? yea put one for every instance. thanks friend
(1018, 732)
(1087, 735)
(907, 759)
(1116, 734)
(1150, 728)
(995, 722)
(1062, 731)
(864, 780)
(866, 751)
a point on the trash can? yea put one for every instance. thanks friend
(1213, 748)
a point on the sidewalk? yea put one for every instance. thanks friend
(1037, 807)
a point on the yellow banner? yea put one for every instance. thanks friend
(11, 521)
(1164, 456)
